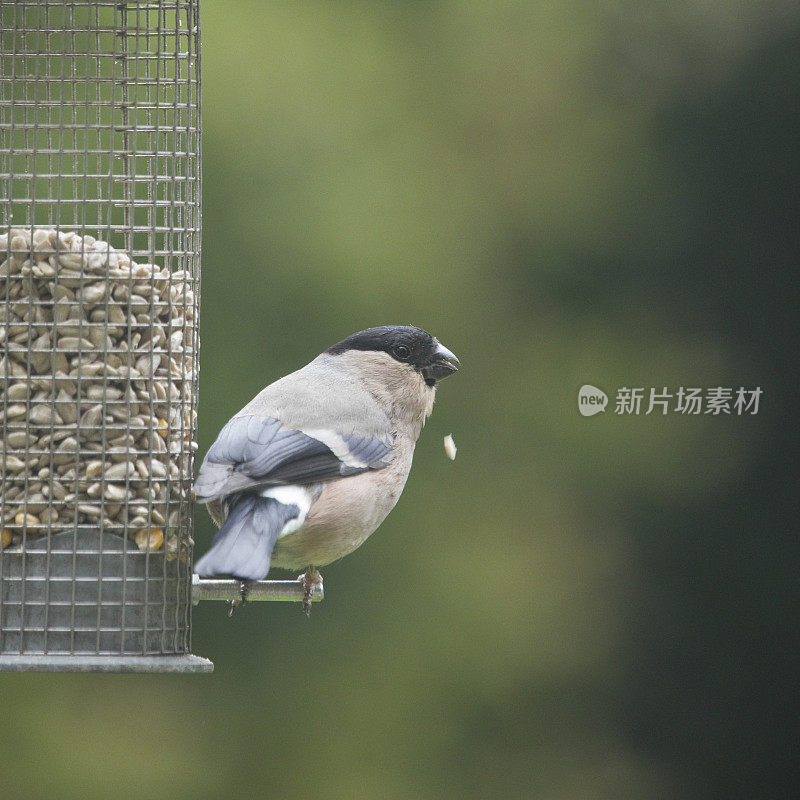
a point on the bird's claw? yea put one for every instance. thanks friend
(309, 580)
(244, 588)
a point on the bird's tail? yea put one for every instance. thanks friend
(242, 547)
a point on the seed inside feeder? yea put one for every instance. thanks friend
(96, 386)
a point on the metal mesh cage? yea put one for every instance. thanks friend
(99, 290)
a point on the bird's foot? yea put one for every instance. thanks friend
(244, 588)
(309, 581)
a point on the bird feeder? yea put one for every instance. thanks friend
(99, 290)
(99, 283)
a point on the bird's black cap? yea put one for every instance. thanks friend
(405, 343)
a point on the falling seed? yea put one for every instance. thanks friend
(450, 447)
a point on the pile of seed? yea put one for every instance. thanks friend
(97, 369)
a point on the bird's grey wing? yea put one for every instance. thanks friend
(253, 451)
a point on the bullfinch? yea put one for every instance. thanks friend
(310, 467)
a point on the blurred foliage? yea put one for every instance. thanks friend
(574, 608)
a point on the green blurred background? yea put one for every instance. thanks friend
(574, 608)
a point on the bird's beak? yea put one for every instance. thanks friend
(444, 363)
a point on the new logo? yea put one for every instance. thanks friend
(591, 400)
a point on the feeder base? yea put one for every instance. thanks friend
(111, 663)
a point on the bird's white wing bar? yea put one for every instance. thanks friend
(360, 452)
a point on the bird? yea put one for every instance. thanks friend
(314, 463)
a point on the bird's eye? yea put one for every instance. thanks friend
(402, 352)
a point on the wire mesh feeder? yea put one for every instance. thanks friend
(99, 284)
